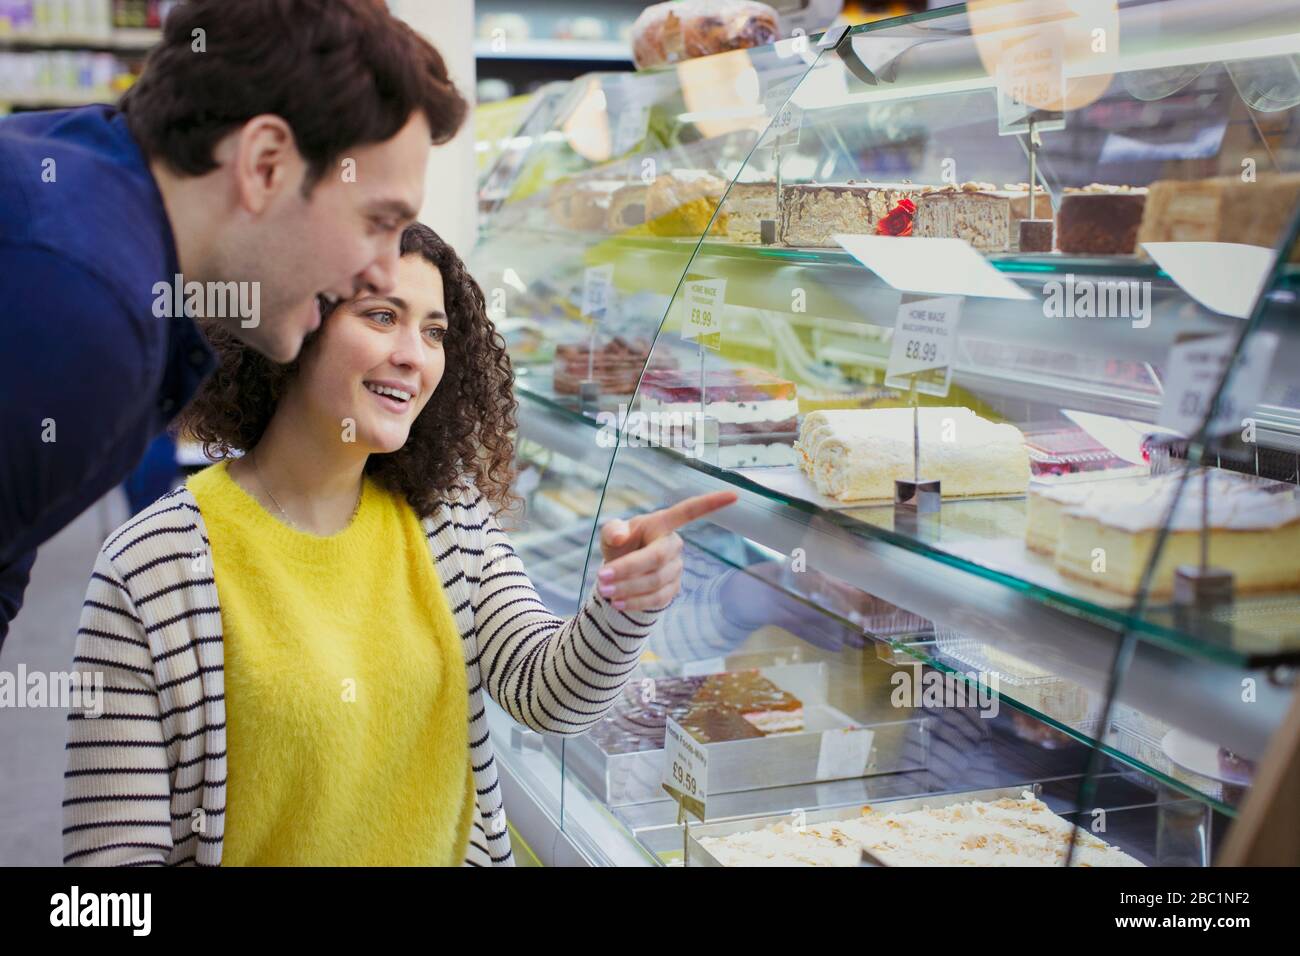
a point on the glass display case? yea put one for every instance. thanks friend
(989, 315)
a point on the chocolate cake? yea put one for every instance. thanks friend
(1100, 220)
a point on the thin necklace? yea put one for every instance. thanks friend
(267, 488)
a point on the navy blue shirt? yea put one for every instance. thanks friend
(88, 373)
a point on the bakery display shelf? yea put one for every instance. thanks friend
(1189, 683)
(1073, 712)
(620, 777)
(983, 537)
(836, 285)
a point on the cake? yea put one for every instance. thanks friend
(1037, 235)
(741, 705)
(975, 212)
(857, 454)
(746, 206)
(626, 208)
(811, 214)
(1068, 450)
(743, 400)
(1254, 532)
(1222, 209)
(1005, 832)
(1043, 510)
(1099, 219)
(582, 204)
(682, 202)
(755, 698)
(615, 366)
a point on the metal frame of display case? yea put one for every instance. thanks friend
(1128, 655)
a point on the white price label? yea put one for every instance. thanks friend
(597, 282)
(1031, 81)
(844, 753)
(786, 125)
(925, 338)
(686, 769)
(1192, 375)
(630, 129)
(703, 301)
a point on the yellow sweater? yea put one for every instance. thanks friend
(346, 696)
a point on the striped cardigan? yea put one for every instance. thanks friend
(146, 780)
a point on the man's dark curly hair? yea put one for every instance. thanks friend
(465, 431)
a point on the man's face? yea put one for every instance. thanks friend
(337, 242)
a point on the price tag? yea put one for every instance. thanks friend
(703, 301)
(630, 129)
(597, 282)
(785, 127)
(1192, 374)
(1031, 82)
(925, 338)
(844, 753)
(686, 769)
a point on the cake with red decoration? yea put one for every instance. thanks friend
(812, 213)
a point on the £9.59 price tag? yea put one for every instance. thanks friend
(686, 769)
(1192, 374)
(597, 281)
(925, 338)
(702, 303)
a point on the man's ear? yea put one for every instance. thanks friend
(265, 161)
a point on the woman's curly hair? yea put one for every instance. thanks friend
(465, 431)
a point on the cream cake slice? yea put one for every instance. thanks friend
(1005, 832)
(1254, 532)
(857, 454)
(1044, 507)
(746, 206)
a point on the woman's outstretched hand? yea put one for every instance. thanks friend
(643, 556)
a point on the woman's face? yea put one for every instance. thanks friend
(378, 359)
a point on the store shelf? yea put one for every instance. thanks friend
(120, 41)
(543, 49)
(46, 101)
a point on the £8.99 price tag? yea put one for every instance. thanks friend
(686, 769)
(925, 337)
(703, 301)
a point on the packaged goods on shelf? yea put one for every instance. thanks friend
(669, 32)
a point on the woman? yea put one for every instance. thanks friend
(296, 643)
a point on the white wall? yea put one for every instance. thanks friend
(450, 205)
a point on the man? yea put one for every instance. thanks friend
(267, 159)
